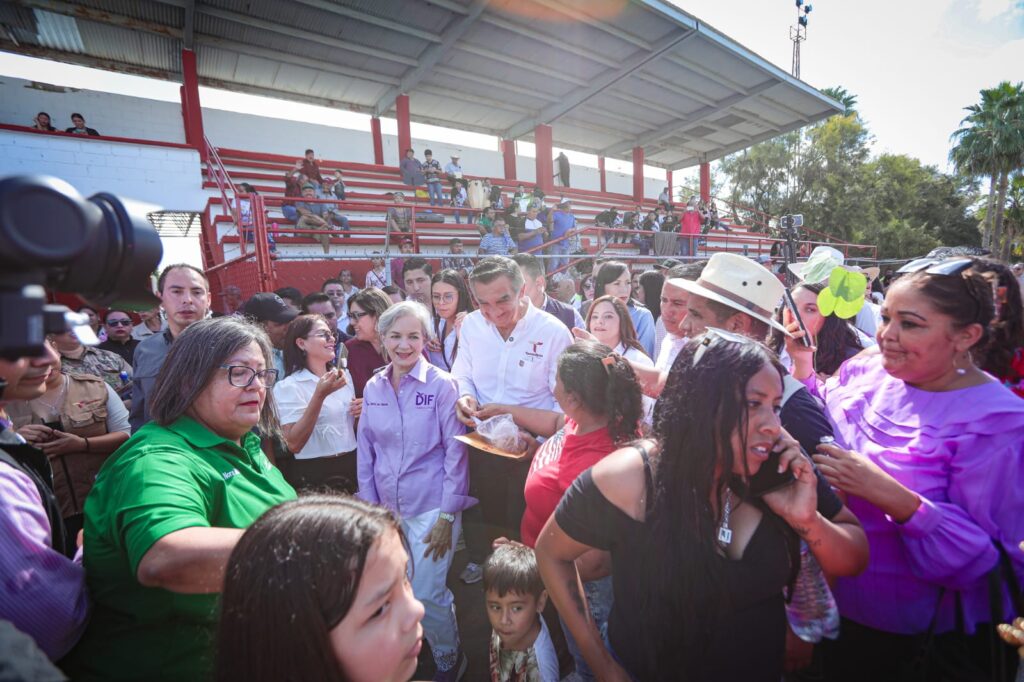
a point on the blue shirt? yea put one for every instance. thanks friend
(408, 458)
(494, 245)
(643, 320)
(562, 222)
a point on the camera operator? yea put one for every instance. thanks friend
(184, 294)
(48, 601)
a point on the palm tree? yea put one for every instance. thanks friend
(844, 97)
(990, 142)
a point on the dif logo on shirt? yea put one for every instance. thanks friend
(424, 399)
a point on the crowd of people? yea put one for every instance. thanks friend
(688, 481)
(42, 121)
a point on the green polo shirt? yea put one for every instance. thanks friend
(163, 479)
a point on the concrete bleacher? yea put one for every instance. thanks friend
(367, 189)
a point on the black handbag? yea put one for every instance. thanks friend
(956, 656)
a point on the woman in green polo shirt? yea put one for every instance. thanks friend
(169, 506)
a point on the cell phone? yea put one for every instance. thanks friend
(791, 304)
(768, 479)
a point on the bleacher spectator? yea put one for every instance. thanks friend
(459, 196)
(562, 222)
(42, 122)
(498, 242)
(377, 276)
(337, 185)
(521, 199)
(533, 234)
(44, 592)
(319, 216)
(118, 326)
(416, 273)
(291, 296)
(453, 171)
(399, 218)
(485, 220)
(457, 261)
(432, 172)
(311, 168)
(562, 169)
(536, 291)
(274, 315)
(77, 357)
(608, 218)
(294, 181)
(79, 127)
(184, 294)
(665, 198)
(411, 169)
(406, 247)
(152, 323)
(497, 198)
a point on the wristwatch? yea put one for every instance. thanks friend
(450, 518)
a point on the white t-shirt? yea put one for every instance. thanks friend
(868, 317)
(517, 371)
(659, 335)
(670, 347)
(333, 432)
(639, 357)
(117, 413)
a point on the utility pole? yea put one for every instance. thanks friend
(798, 34)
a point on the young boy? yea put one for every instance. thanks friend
(521, 648)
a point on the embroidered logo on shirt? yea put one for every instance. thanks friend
(371, 403)
(536, 345)
(230, 474)
(424, 399)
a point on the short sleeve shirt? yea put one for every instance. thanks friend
(163, 479)
(334, 430)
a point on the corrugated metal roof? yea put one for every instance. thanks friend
(607, 76)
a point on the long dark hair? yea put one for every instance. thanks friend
(465, 304)
(836, 342)
(609, 272)
(299, 328)
(694, 421)
(627, 332)
(1007, 330)
(652, 281)
(290, 580)
(608, 390)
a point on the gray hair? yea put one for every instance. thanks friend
(194, 359)
(493, 267)
(396, 312)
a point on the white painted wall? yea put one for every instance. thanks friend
(165, 176)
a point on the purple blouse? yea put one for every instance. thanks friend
(962, 452)
(408, 458)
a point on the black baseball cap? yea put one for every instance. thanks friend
(264, 307)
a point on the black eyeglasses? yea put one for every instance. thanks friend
(241, 376)
(119, 323)
(356, 316)
(325, 335)
(934, 266)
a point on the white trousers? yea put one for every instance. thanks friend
(430, 587)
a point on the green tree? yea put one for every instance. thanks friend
(844, 97)
(990, 143)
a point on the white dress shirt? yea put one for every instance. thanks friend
(638, 357)
(670, 347)
(333, 432)
(517, 371)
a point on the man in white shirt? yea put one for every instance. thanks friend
(508, 353)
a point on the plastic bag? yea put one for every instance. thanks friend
(501, 432)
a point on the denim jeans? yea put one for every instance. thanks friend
(435, 193)
(685, 245)
(599, 600)
(561, 250)
(290, 213)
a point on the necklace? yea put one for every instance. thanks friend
(55, 407)
(724, 532)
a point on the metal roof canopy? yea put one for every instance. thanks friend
(608, 75)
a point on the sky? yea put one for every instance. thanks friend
(912, 65)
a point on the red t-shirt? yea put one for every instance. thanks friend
(556, 465)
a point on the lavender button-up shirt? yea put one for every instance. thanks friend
(409, 460)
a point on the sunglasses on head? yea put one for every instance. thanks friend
(712, 336)
(935, 266)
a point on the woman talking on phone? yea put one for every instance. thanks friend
(315, 400)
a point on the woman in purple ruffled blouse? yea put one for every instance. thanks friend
(930, 453)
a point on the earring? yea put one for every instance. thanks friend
(961, 370)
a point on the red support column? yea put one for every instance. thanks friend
(638, 174)
(545, 159)
(600, 170)
(378, 141)
(404, 134)
(191, 111)
(705, 182)
(668, 181)
(508, 154)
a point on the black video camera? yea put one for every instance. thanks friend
(102, 248)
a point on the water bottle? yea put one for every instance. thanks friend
(812, 612)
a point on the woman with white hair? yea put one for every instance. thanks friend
(410, 462)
